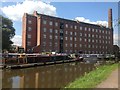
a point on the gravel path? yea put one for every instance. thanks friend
(111, 81)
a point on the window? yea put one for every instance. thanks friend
(106, 32)
(44, 29)
(96, 30)
(66, 25)
(56, 23)
(44, 43)
(56, 31)
(50, 36)
(80, 39)
(109, 37)
(28, 36)
(56, 37)
(103, 31)
(75, 33)
(103, 37)
(75, 45)
(29, 28)
(61, 38)
(100, 41)
(71, 26)
(89, 35)
(106, 47)
(70, 33)
(89, 29)
(92, 40)
(96, 41)
(44, 22)
(29, 22)
(50, 30)
(100, 31)
(93, 36)
(56, 44)
(50, 23)
(28, 43)
(81, 28)
(75, 39)
(70, 50)
(103, 47)
(106, 42)
(99, 36)
(89, 40)
(89, 46)
(92, 30)
(85, 35)
(70, 45)
(71, 38)
(85, 39)
(103, 41)
(44, 36)
(80, 34)
(61, 30)
(96, 46)
(50, 44)
(96, 36)
(106, 37)
(66, 32)
(80, 45)
(109, 32)
(66, 45)
(66, 38)
(85, 28)
(66, 50)
(75, 27)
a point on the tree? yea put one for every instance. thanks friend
(8, 33)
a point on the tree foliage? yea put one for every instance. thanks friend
(8, 33)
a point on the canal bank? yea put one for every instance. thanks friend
(92, 79)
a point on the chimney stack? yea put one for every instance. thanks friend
(110, 18)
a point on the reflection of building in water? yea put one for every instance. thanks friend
(46, 77)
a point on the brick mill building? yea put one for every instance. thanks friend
(44, 33)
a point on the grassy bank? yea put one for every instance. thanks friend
(93, 78)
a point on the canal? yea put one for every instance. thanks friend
(51, 76)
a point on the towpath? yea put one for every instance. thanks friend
(111, 81)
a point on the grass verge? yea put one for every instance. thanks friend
(92, 79)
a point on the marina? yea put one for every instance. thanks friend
(17, 61)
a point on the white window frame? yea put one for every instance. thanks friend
(50, 23)
(44, 22)
(29, 36)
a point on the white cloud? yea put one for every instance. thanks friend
(17, 40)
(82, 19)
(15, 12)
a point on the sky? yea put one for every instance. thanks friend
(90, 12)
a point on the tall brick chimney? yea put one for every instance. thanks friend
(110, 18)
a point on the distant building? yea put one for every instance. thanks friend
(47, 33)
(116, 50)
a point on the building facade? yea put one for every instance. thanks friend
(48, 33)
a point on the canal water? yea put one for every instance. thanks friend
(51, 76)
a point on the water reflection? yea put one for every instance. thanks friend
(54, 76)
